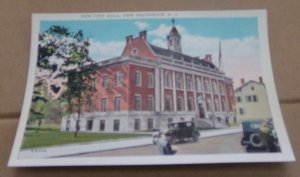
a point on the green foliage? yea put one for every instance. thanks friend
(43, 107)
(52, 137)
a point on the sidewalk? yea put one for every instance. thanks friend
(72, 149)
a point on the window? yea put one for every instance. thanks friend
(150, 104)
(217, 107)
(214, 86)
(103, 104)
(170, 120)
(118, 79)
(168, 103)
(116, 125)
(248, 98)
(189, 83)
(135, 51)
(252, 88)
(138, 79)
(102, 125)
(179, 81)
(181, 119)
(137, 102)
(91, 104)
(238, 99)
(150, 124)
(168, 79)
(190, 104)
(137, 124)
(94, 82)
(89, 125)
(198, 84)
(179, 104)
(105, 82)
(221, 88)
(242, 112)
(254, 98)
(117, 103)
(209, 105)
(150, 80)
(206, 86)
(223, 105)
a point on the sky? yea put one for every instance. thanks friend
(200, 36)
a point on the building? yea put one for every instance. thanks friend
(252, 101)
(148, 87)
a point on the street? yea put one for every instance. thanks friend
(213, 145)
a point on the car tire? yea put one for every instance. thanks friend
(256, 140)
(195, 136)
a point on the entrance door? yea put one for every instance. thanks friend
(201, 111)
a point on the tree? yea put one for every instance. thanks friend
(64, 66)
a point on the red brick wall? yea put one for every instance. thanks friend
(230, 96)
(143, 90)
(143, 49)
(112, 89)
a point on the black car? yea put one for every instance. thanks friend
(180, 132)
(255, 140)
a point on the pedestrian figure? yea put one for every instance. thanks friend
(161, 143)
(164, 145)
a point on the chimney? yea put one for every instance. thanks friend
(242, 81)
(260, 80)
(129, 39)
(143, 35)
(208, 58)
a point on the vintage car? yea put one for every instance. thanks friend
(255, 140)
(179, 132)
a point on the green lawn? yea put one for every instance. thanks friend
(51, 137)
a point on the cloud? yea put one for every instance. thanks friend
(163, 30)
(100, 51)
(238, 54)
(141, 25)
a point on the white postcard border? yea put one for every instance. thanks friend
(286, 154)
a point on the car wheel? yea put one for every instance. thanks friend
(195, 136)
(256, 140)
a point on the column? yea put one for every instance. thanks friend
(174, 91)
(195, 93)
(212, 94)
(162, 78)
(184, 93)
(157, 86)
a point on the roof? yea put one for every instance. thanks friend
(179, 56)
(246, 84)
(174, 30)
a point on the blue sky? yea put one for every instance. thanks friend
(107, 30)
(200, 36)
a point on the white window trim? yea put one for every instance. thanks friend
(138, 84)
(152, 78)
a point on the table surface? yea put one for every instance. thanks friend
(15, 28)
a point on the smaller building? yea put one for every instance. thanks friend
(252, 101)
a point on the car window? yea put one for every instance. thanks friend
(255, 126)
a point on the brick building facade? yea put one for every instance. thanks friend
(148, 87)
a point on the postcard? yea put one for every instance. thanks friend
(150, 88)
